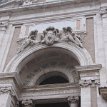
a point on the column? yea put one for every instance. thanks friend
(27, 103)
(85, 93)
(73, 101)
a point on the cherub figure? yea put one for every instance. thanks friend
(28, 41)
(68, 35)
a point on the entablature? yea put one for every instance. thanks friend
(50, 91)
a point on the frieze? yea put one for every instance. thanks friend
(49, 37)
(86, 83)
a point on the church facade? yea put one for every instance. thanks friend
(53, 53)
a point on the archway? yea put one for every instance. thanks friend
(41, 60)
(52, 61)
(81, 55)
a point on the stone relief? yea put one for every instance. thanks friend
(49, 37)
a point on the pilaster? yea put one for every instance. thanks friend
(9, 89)
(6, 96)
(89, 79)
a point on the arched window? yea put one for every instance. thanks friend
(53, 77)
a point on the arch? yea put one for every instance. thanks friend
(80, 54)
(52, 77)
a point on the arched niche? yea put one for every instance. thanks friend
(37, 58)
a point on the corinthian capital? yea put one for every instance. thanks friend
(3, 26)
(73, 99)
(86, 83)
(7, 89)
(27, 103)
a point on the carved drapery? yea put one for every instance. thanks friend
(51, 36)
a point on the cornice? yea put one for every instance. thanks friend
(42, 5)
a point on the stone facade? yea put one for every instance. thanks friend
(43, 39)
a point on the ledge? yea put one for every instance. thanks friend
(50, 92)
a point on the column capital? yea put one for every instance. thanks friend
(3, 26)
(86, 83)
(7, 89)
(27, 103)
(73, 99)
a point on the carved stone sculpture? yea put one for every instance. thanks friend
(68, 35)
(28, 41)
(49, 37)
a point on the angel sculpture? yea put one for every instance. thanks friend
(68, 35)
(28, 41)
